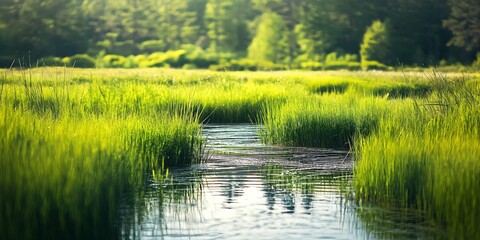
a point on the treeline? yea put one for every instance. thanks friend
(243, 34)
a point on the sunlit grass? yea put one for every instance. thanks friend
(69, 152)
(427, 157)
(73, 140)
(330, 121)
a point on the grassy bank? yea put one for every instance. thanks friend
(68, 153)
(330, 121)
(73, 140)
(427, 157)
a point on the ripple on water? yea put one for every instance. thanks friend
(248, 190)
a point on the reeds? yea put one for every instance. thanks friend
(72, 141)
(330, 121)
(67, 156)
(427, 157)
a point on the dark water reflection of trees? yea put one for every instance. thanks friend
(161, 207)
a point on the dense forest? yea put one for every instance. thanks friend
(207, 32)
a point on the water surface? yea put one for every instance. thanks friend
(248, 190)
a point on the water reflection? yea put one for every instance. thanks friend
(247, 190)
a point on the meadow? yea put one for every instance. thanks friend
(73, 141)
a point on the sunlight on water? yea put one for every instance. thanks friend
(248, 190)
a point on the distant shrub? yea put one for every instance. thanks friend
(200, 58)
(66, 61)
(167, 59)
(335, 61)
(343, 65)
(130, 62)
(152, 46)
(331, 57)
(374, 65)
(443, 63)
(476, 63)
(80, 61)
(50, 61)
(189, 66)
(114, 61)
(246, 64)
(311, 65)
(176, 58)
(124, 48)
(243, 64)
(376, 44)
(139, 60)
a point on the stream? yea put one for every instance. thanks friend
(248, 190)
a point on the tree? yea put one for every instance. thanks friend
(376, 45)
(269, 43)
(416, 30)
(333, 25)
(464, 23)
(227, 24)
(54, 21)
(289, 12)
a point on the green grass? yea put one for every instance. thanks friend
(394, 86)
(427, 157)
(330, 121)
(74, 140)
(68, 153)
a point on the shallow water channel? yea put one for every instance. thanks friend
(248, 190)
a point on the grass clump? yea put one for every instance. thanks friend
(67, 174)
(69, 152)
(331, 121)
(426, 157)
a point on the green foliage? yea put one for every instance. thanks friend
(246, 65)
(50, 61)
(166, 59)
(416, 140)
(425, 156)
(327, 86)
(376, 45)
(334, 62)
(303, 29)
(477, 61)
(331, 122)
(346, 62)
(339, 65)
(373, 65)
(227, 33)
(69, 151)
(311, 65)
(113, 61)
(203, 59)
(152, 46)
(464, 22)
(269, 41)
(80, 61)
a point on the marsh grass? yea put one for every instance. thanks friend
(329, 121)
(371, 85)
(427, 157)
(74, 140)
(68, 153)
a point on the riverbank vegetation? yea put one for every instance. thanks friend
(242, 34)
(427, 156)
(69, 151)
(74, 140)
(93, 103)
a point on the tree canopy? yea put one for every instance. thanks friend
(273, 30)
